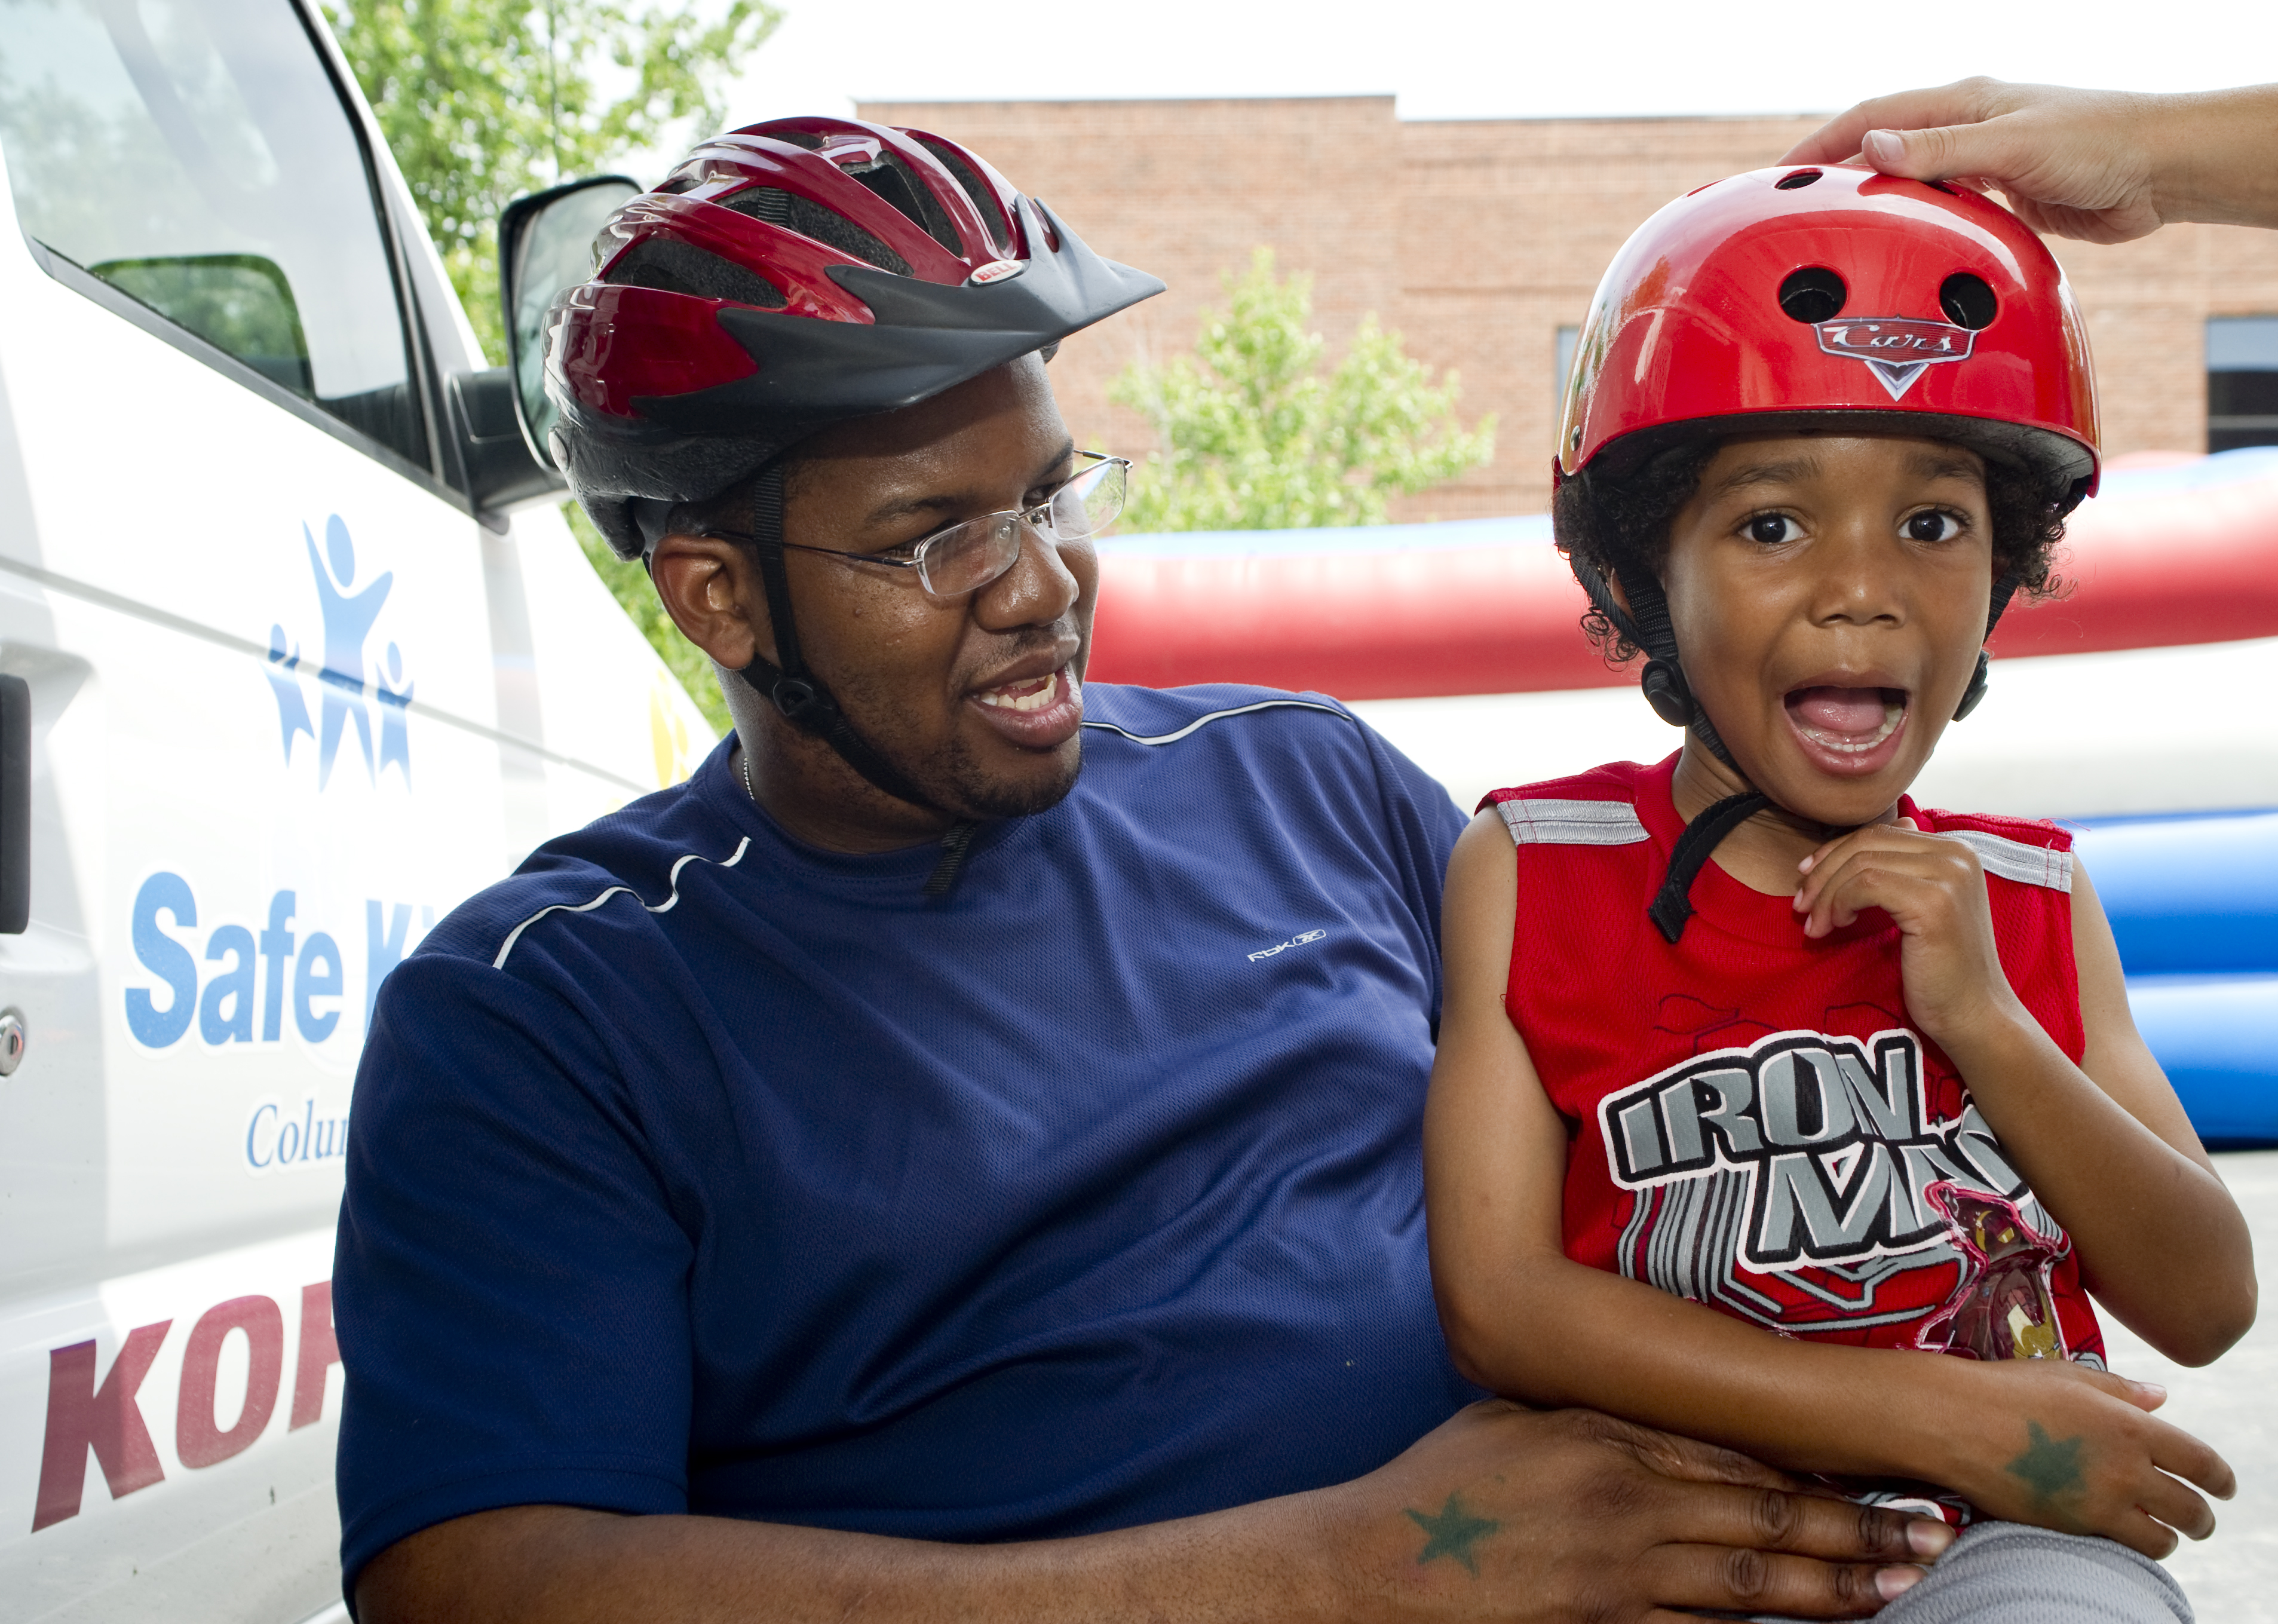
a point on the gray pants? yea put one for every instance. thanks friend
(2005, 1572)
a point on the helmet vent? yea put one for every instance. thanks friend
(1795, 178)
(984, 199)
(1966, 300)
(890, 179)
(672, 266)
(1812, 294)
(809, 218)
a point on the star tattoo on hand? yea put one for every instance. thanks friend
(1453, 1532)
(2049, 1468)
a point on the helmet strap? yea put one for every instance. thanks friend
(1673, 904)
(1644, 625)
(2004, 590)
(807, 705)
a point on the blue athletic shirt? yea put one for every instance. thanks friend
(697, 1170)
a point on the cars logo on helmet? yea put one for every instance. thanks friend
(995, 271)
(1897, 349)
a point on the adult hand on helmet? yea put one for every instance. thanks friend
(2101, 166)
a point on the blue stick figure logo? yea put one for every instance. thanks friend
(394, 706)
(348, 612)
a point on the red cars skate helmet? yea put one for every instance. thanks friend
(1822, 298)
(786, 276)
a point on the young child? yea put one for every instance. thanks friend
(1755, 1079)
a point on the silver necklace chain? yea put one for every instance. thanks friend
(744, 760)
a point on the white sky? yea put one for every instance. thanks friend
(1475, 58)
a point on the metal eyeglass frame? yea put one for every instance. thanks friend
(1035, 517)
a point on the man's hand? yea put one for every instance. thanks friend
(2101, 166)
(1509, 1513)
(1501, 1514)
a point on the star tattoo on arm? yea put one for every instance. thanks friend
(1452, 1532)
(2050, 1469)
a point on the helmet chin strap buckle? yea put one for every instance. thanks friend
(1666, 691)
(794, 696)
(1976, 691)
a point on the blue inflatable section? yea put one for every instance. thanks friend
(2215, 1036)
(2193, 902)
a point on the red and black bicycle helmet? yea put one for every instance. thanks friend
(1789, 301)
(788, 276)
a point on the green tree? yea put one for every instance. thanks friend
(1252, 436)
(484, 100)
(628, 582)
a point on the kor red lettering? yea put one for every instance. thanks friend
(197, 1440)
(82, 1416)
(320, 1350)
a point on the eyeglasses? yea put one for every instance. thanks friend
(965, 556)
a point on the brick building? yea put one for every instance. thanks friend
(1480, 239)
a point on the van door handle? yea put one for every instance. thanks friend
(15, 805)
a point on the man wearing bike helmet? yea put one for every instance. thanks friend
(956, 1155)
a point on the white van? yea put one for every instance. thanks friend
(280, 683)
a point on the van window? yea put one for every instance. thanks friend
(194, 155)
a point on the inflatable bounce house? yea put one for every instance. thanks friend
(2140, 708)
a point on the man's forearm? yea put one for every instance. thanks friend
(2216, 156)
(1499, 1513)
(568, 1566)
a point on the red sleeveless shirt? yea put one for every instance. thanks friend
(1753, 1125)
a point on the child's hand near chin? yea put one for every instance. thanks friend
(1934, 891)
(2067, 1447)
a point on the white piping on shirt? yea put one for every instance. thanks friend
(665, 907)
(1572, 823)
(1615, 822)
(744, 845)
(2016, 859)
(1238, 710)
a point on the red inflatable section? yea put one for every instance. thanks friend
(2197, 566)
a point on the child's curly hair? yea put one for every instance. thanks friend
(1621, 525)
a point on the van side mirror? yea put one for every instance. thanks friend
(545, 244)
(497, 470)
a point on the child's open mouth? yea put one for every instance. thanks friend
(1847, 727)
